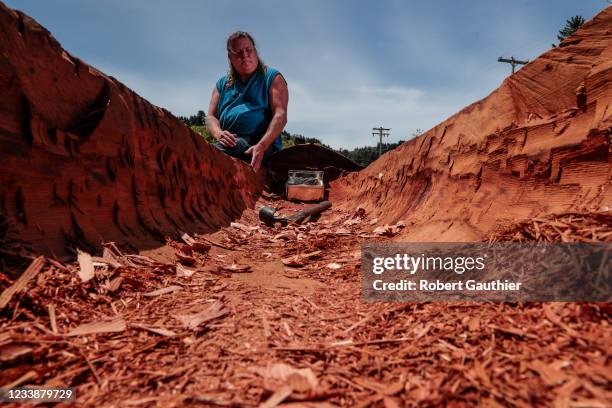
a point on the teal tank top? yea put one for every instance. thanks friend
(244, 108)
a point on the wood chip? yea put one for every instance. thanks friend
(185, 258)
(294, 261)
(236, 268)
(516, 332)
(283, 375)
(550, 374)
(100, 261)
(114, 284)
(213, 311)
(20, 284)
(111, 326)
(27, 377)
(184, 272)
(14, 351)
(277, 397)
(157, 330)
(187, 239)
(163, 291)
(113, 257)
(86, 266)
(333, 265)
(194, 244)
(242, 227)
(52, 318)
(214, 243)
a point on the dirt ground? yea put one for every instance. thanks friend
(256, 315)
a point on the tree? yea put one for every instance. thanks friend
(571, 25)
(200, 118)
(367, 154)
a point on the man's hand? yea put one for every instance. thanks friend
(258, 153)
(279, 97)
(226, 138)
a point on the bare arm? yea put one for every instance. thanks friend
(212, 122)
(279, 98)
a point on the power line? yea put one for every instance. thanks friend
(380, 132)
(512, 62)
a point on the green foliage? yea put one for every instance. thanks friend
(201, 130)
(197, 119)
(367, 154)
(292, 140)
(287, 139)
(571, 25)
(197, 124)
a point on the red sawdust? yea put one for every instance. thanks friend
(307, 316)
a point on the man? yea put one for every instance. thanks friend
(248, 108)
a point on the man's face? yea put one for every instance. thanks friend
(243, 56)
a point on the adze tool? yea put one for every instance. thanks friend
(266, 214)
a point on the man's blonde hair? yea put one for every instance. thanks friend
(231, 72)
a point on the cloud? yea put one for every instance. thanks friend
(181, 96)
(350, 67)
(337, 113)
(346, 119)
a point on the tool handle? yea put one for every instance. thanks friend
(315, 209)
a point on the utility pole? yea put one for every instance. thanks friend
(380, 132)
(512, 61)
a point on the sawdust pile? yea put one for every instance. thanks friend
(253, 315)
(567, 227)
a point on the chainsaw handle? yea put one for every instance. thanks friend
(315, 209)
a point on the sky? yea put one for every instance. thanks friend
(350, 65)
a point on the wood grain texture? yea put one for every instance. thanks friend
(537, 145)
(85, 159)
